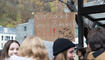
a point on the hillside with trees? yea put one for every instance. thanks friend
(13, 12)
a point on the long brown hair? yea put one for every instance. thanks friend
(61, 56)
(4, 53)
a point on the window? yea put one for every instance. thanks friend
(2, 38)
(25, 37)
(25, 28)
(12, 38)
(7, 38)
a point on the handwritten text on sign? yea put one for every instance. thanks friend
(50, 26)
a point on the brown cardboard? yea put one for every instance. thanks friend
(50, 26)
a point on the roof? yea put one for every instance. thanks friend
(5, 30)
(94, 11)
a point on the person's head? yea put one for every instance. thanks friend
(63, 49)
(33, 47)
(10, 48)
(96, 38)
(81, 51)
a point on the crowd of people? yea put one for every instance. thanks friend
(32, 48)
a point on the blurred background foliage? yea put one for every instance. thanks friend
(13, 12)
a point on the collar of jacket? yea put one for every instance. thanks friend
(97, 53)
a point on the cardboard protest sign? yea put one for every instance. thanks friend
(50, 26)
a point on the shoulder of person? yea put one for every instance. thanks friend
(90, 56)
(101, 56)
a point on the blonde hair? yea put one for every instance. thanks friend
(33, 47)
(61, 56)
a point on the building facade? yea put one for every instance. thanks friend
(24, 30)
(6, 34)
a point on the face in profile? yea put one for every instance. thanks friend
(70, 53)
(13, 49)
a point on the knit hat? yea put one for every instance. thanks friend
(61, 44)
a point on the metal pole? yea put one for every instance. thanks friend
(80, 25)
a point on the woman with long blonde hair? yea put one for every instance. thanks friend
(33, 47)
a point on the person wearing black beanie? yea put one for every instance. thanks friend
(63, 49)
